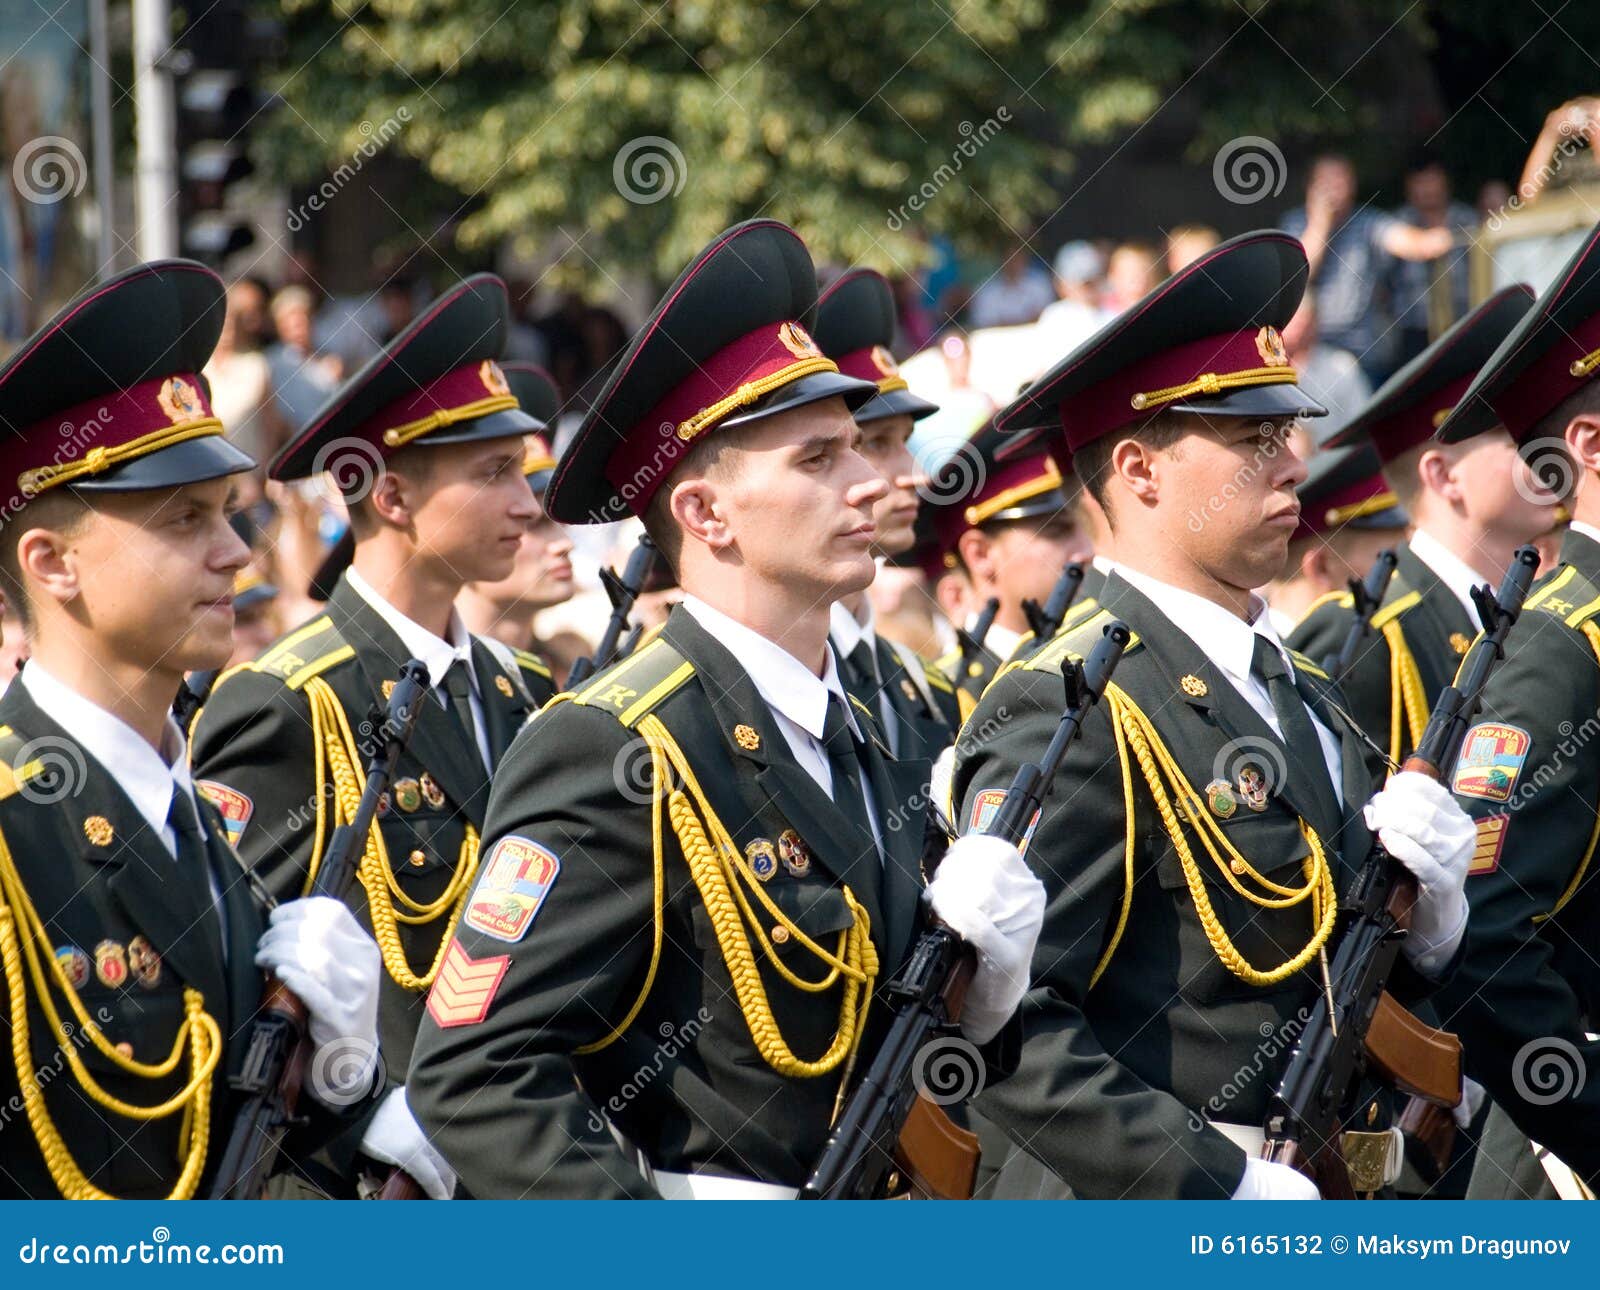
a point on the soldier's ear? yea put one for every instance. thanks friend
(1132, 466)
(393, 498)
(48, 570)
(977, 554)
(1436, 471)
(696, 510)
(1583, 440)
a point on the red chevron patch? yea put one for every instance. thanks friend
(465, 986)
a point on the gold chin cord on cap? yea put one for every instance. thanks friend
(1215, 383)
(33, 482)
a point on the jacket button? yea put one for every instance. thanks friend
(417, 859)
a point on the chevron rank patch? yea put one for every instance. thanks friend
(987, 805)
(1492, 756)
(234, 807)
(465, 986)
(1491, 840)
(518, 877)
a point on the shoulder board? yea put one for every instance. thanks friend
(530, 662)
(1342, 599)
(1075, 642)
(1394, 608)
(1568, 595)
(13, 774)
(631, 689)
(947, 663)
(936, 677)
(304, 653)
(1304, 664)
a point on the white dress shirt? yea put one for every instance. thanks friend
(1458, 577)
(797, 696)
(435, 653)
(146, 775)
(1228, 641)
(847, 630)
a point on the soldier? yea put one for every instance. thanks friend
(1201, 829)
(1528, 994)
(132, 944)
(1006, 525)
(855, 327)
(1472, 505)
(1348, 514)
(426, 442)
(703, 863)
(542, 575)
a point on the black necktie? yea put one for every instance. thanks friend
(458, 685)
(844, 762)
(861, 679)
(194, 869)
(1299, 734)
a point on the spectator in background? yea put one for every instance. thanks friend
(1131, 274)
(397, 306)
(1076, 315)
(1187, 243)
(1494, 198)
(241, 379)
(963, 407)
(525, 343)
(1013, 296)
(302, 379)
(1346, 247)
(1330, 376)
(1429, 205)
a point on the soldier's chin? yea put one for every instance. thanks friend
(851, 576)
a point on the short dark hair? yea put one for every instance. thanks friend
(62, 509)
(1092, 462)
(1583, 400)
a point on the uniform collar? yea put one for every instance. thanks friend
(436, 653)
(145, 774)
(1458, 577)
(787, 685)
(1223, 637)
(1588, 530)
(849, 630)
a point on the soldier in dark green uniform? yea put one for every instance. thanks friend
(703, 863)
(1528, 994)
(1007, 525)
(1348, 515)
(1472, 506)
(132, 943)
(1201, 829)
(855, 327)
(427, 444)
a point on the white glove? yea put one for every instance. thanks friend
(1268, 1180)
(990, 898)
(944, 769)
(317, 949)
(394, 1137)
(1424, 828)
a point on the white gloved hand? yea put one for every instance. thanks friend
(317, 949)
(394, 1137)
(990, 898)
(944, 769)
(1268, 1180)
(1424, 828)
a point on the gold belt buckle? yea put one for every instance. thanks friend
(1366, 1156)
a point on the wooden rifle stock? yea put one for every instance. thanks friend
(1357, 1026)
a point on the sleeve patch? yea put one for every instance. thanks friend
(509, 895)
(1491, 840)
(465, 987)
(234, 807)
(987, 805)
(1492, 757)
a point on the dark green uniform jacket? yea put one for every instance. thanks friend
(923, 701)
(107, 888)
(562, 961)
(254, 751)
(1436, 629)
(1116, 1076)
(1530, 775)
